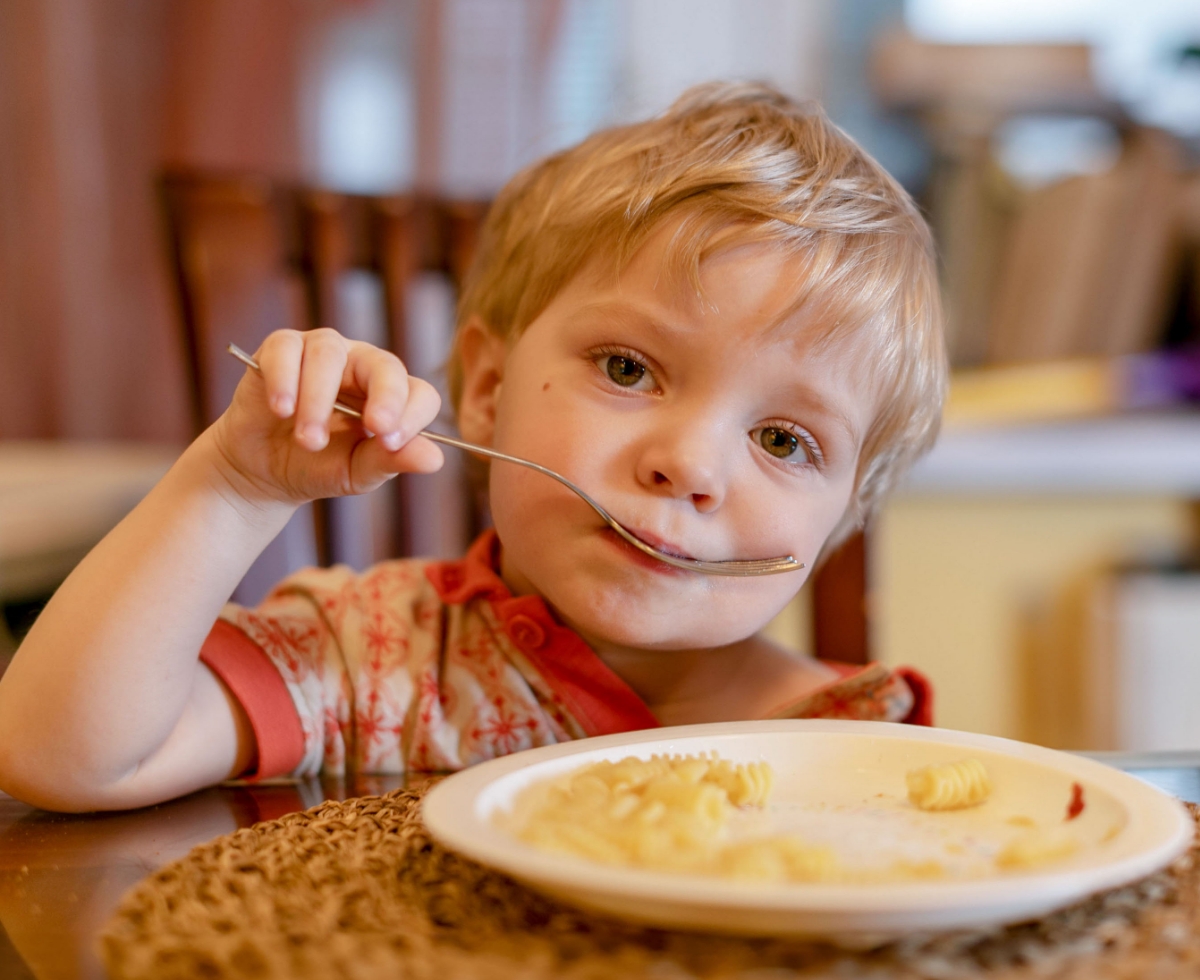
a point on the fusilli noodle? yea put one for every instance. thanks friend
(949, 786)
(667, 813)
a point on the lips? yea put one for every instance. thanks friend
(659, 544)
(641, 558)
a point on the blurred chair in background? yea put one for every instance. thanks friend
(250, 256)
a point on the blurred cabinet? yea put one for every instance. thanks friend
(986, 564)
(1144, 662)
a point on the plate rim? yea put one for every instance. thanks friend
(443, 809)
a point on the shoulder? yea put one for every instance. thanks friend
(863, 692)
(398, 579)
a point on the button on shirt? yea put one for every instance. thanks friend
(526, 633)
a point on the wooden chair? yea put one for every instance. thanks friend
(251, 255)
(841, 604)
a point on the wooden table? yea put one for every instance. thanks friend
(62, 876)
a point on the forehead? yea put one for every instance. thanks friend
(752, 291)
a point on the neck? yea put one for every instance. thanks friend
(670, 681)
(742, 680)
(661, 678)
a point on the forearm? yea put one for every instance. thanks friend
(103, 678)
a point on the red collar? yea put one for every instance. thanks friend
(475, 574)
(601, 702)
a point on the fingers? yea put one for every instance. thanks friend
(279, 359)
(383, 377)
(321, 370)
(414, 455)
(374, 462)
(398, 406)
(304, 373)
(423, 406)
(421, 456)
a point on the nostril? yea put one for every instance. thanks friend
(700, 499)
(660, 478)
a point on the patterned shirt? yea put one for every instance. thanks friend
(424, 666)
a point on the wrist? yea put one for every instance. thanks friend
(253, 506)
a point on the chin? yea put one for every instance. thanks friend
(613, 593)
(633, 618)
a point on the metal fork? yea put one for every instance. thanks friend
(758, 566)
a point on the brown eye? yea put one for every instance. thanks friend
(625, 371)
(778, 442)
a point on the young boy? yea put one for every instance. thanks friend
(723, 323)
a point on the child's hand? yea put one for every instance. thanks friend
(281, 441)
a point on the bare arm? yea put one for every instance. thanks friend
(106, 705)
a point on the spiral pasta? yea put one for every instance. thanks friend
(667, 813)
(949, 786)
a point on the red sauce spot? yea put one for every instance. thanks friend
(1075, 807)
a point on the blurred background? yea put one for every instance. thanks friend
(177, 174)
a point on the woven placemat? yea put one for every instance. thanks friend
(358, 889)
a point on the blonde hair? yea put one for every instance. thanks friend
(731, 163)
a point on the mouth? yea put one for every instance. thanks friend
(642, 559)
(659, 544)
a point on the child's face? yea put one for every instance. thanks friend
(708, 427)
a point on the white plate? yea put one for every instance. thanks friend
(842, 783)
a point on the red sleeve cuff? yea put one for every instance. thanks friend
(258, 687)
(921, 712)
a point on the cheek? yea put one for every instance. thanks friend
(517, 496)
(777, 520)
(540, 420)
(532, 416)
(826, 512)
(824, 520)
(534, 515)
(547, 422)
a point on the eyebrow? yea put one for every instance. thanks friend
(630, 311)
(799, 394)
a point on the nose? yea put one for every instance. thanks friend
(684, 460)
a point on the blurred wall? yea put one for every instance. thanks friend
(95, 96)
(85, 344)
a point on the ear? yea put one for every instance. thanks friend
(482, 354)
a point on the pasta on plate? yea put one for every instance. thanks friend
(703, 815)
(668, 813)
